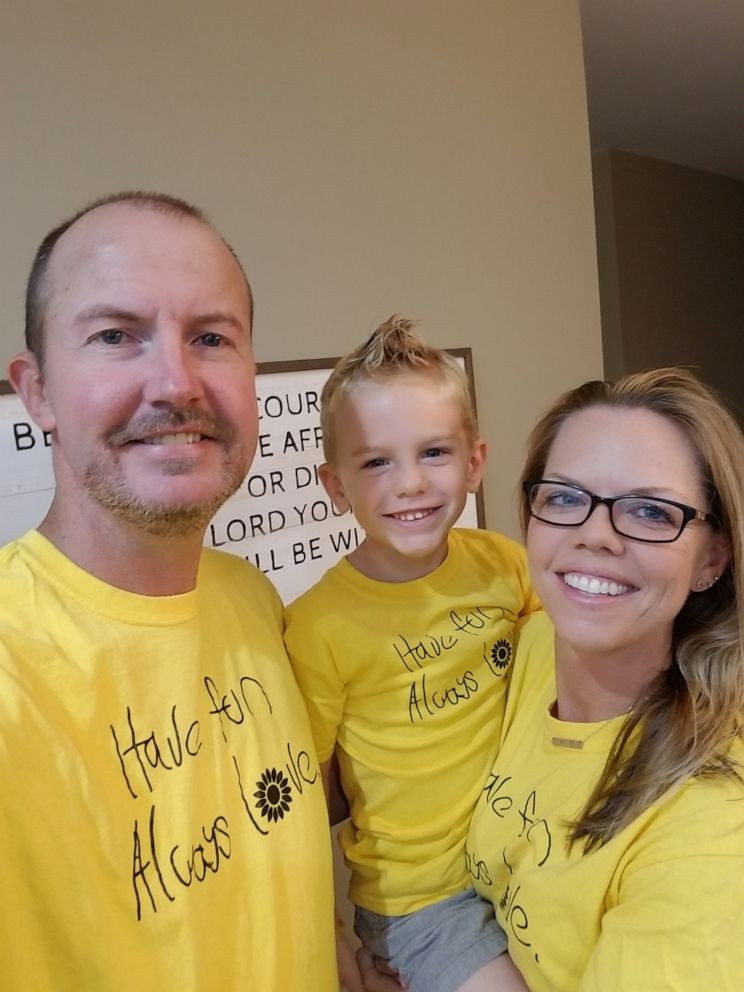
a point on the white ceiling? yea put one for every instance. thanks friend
(665, 78)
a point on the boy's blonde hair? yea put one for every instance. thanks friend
(390, 350)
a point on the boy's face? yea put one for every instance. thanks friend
(404, 464)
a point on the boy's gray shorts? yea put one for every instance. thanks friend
(439, 947)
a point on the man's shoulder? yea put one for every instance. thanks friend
(232, 574)
(24, 591)
(16, 568)
(219, 563)
(10, 552)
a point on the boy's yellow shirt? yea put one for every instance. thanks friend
(409, 679)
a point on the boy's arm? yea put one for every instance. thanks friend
(313, 661)
(338, 806)
(324, 694)
(338, 809)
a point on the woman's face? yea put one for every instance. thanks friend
(613, 451)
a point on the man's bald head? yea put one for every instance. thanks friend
(38, 286)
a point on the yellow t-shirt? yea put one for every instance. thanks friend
(162, 821)
(409, 679)
(660, 907)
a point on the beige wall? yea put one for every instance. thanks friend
(671, 262)
(423, 156)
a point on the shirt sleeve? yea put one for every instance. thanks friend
(319, 680)
(677, 921)
(530, 600)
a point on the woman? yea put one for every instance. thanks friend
(610, 833)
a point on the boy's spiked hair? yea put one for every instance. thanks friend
(392, 349)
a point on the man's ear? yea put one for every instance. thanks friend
(332, 485)
(27, 380)
(476, 464)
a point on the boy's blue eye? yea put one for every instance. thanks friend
(435, 452)
(111, 336)
(374, 463)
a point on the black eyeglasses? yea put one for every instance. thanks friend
(642, 518)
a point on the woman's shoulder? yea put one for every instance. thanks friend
(535, 632)
(705, 814)
(534, 644)
(721, 787)
(532, 681)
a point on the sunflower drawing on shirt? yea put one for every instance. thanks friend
(274, 795)
(499, 657)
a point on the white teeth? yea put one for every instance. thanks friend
(408, 517)
(593, 585)
(173, 439)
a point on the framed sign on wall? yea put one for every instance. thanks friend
(280, 518)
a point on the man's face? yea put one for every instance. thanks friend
(149, 378)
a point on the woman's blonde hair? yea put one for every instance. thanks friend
(392, 349)
(685, 723)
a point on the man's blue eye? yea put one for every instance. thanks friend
(111, 336)
(211, 339)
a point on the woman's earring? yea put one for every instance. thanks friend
(702, 584)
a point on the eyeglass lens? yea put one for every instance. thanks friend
(642, 517)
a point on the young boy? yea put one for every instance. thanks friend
(403, 651)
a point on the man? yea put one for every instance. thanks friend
(162, 821)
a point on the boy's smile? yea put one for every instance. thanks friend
(404, 464)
